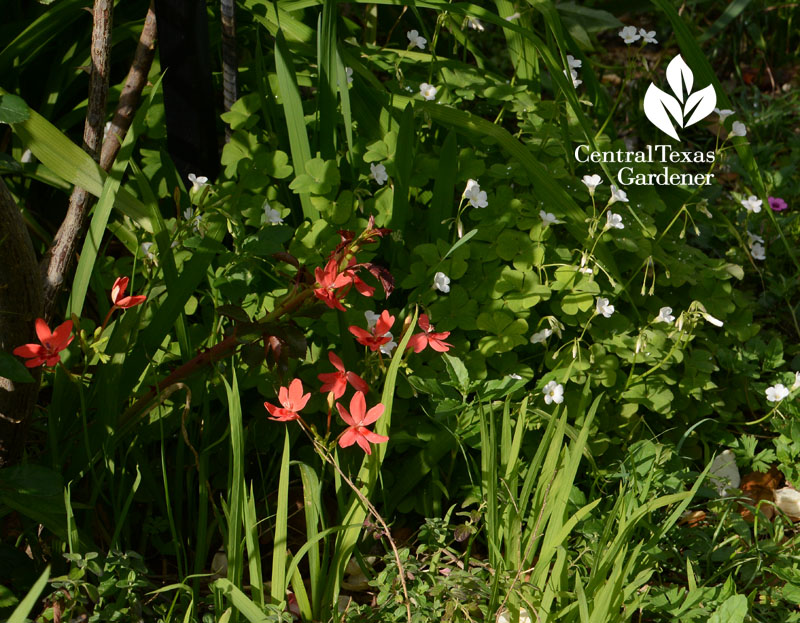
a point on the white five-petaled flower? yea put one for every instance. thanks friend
(146, 246)
(754, 238)
(613, 221)
(592, 182)
(541, 336)
(603, 307)
(617, 195)
(758, 251)
(271, 215)
(752, 204)
(723, 114)
(415, 39)
(648, 37)
(572, 62)
(629, 34)
(574, 75)
(777, 392)
(348, 74)
(428, 91)
(665, 315)
(197, 181)
(548, 218)
(387, 348)
(475, 24)
(476, 196)
(441, 282)
(378, 173)
(738, 129)
(553, 392)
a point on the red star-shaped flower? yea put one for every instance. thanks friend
(428, 338)
(118, 295)
(378, 337)
(293, 401)
(336, 382)
(49, 351)
(357, 421)
(330, 283)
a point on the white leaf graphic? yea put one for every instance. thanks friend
(678, 73)
(656, 105)
(705, 100)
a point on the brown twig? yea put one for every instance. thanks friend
(132, 91)
(66, 241)
(230, 63)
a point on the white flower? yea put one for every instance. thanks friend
(505, 616)
(548, 218)
(271, 215)
(724, 474)
(648, 37)
(665, 315)
(603, 307)
(777, 392)
(441, 282)
(415, 39)
(348, 73)
(754, 238)
(715, 321)
(617, 195)
(428, 91)
(592, 182)
(796, 383)
(188, 213)
(197, 182)
(515, 376)
(629, 34)
(757, 251)
(513, 16)
(723, 114)
(372, 319)
(541, 336)
(752, 204)
(788, 500)
(475, 24)
(553, 392)
(146, 246)
(613, 221)
(738, 129)
(572, 62)
(378, 173)
(196, 221)
(476, 196)
(586, 271)
(574, 75)
(387, 348)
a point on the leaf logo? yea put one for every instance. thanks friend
(686, 108)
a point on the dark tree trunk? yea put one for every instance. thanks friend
(20, 305)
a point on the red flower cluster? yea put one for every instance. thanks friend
(49, 351)
(378, 337)
(333, 286)
(428, 338)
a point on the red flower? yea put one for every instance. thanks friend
(428, 338)
(336, 382)
(52, 344)
(378, 337)
(330, 280)
(357, 421)
(293, 401)
(362, 286)
(118, 295)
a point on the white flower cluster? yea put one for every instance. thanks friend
(756, 244)
(630, 34)
(573, 65)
